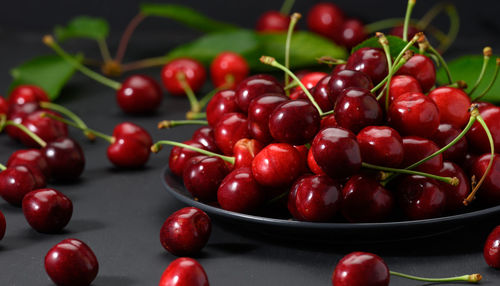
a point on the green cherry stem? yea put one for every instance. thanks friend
(492, 82)
(487, 52)
(28, 132)
(101, 135)
(452, 13)
(196, 115)
(293, 21)
(330, 61)
(286, 7)
(393, 71)
(103, 48)
(193, 101)
(158, 146)
(173, 123)
(385, 45)
(2, 167)
(473, 278)
(68, 113)
(409, 9)
(425, 45)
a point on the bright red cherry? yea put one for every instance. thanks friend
(381, 145)
(47, 210)
(71, 262)
(351, 33)
(46, 128)
(184, 271)
(240, 192)
(23, 94)
(179, 157)
(259, 111)
(489, 191)
(230, 128)
(3, 225)
(31, 158)
(277, 165)
(193, 70)
(401, 84)
(325, 19)
(139, 94)
(245, 151)
(420, 197)
(491, 252)
(309, 80)
(361, 269)
(15, 183)
(65, 158)
(272, 21)
(357, 108)
(422, 68)
(4, 106)
(228, 69)
(453, 105)
(476, 135)
(417, 148)
(202, 177)
(444, 135)
(205, 136)
(455, 195)
(371, 61)
(131, 146)
(186, 231)
(223, 102)
(255, 86)
(345, 79)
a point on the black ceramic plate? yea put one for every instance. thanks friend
(335, 232)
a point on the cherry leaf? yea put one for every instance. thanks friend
(83, 27)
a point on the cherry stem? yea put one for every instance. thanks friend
(291, 85)
(196, 115)
(101, 135)
(50, 41)
(272, 62)
(2, 167)
(473, 278)
(293, 21)
(144, 63)
(492, 82)
(409, 9)
(384, 81)
(330, 61)
(193, 101)
(383, 24)
(127, 34)
(385, 45)
(452, 13)
(425, 45)
(158, 146)
(103, 48)
(286, 7)
(68, 113)
(487, 52)
(173, 123)
(28, 132)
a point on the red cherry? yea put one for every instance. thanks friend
(361, 269)
(3, 225)
(277, 165)
(421, 197)
(351, 33)
(15, 183)
(230, 128)
(328, 121)
(32, 159)
(344, 79)
(71, 262)
(443, 136)
(4, 107)
(310, 79)
(476, 135)
(491, 252)
(245, 151)
(489, 191)
(325, 19)
(381, 145)
(203, 175)
(272, 21)
(357, 108)
(322, 95)
(65, 158)
(186, 231)
(371, 61)
(46, 128)
(139, 94)
(179, 157)
(16, 114)
(453, 105)
(338, 68)
(47, 210)
(205, 136)
(255, 86)
(193, 71)
(228, 64)
(401, 84)
(416, 149)
(131, 146)
(184, 271)
(455, 195)
(422, 68)
(240, 192)
(313, 166)
(23, 94)
(223, 102)
(399, 30)
(259, 111)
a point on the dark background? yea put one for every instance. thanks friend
(119, 213)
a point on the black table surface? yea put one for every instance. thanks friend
(118, 213)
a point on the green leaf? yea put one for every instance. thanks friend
(83, 27)
(396, 44)
(186, 16)
(48, 72)
(467, 68)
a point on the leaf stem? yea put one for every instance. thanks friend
(173, 123)
(409, 9)
(450, 180)
(487, 52)
(286, 7)
(492, 82)
(127, 34)
(293, 21)
(71, 115)
(101, 135)
(473, 278)
(158, 145)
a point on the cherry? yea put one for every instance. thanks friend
(321, 93)
(338, 68)
(294, 122)
(23, 94)
(417, 148)
(361, 269)
(194, 72)
(489, 192)
(351, 33)
(476, 135)
(47, 210)
(34, 160)
(130, 147)
(139, 94)
(313, 166)
(223, 102)
(303, 151)
(71, 262)
(399, 30)
(228, 69)
(401, 84)
(15, 183)
(245, 151)
(259, 111)
(186, 231)
(357, 108)
(16, 115)
(443, 136)
(422, 68)
(254, 86)
(3, 225)
(230, 128)
(381, 145)
(413, 113)
(240, 192)
(205, 136)
(310, 79)
(347, 78)
(328, 121)
(65, 159)
(455, 195)
(184, 271)
(4, 107)
(453, 105)
(325, 19)
(421, 197)
(179, 157)
(491, 251)
(277, 165)
(371, 61)
(47, 129)
(272, 21)
(203, 176)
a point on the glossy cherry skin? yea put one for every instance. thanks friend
(444, 135)
(381, 145)
(186, 231)
(414, 114)
(184, 271)
(203, 177)
(71, 262)
(361, 269)
(230, 128)
(420, 197)
(337, 152)
(345, 79)
(23, 94)
(131, 146)
(47, 210)
(316, 198)
(453, 105)
(205, 136)
(259, 111)
(491, 252)
(65, 158)
(46, 128)
(422, 68)
(294, 122)
(328, 121)
(193, 71)
(351, 33)
(401, 84)
(223, 102)
(15, 183)
(277, 165)
(4, 107)
(254, 86)
(322, 95)
(325, 19)
(477, 137)
(240, 192)
(3, 225)
(309, 80)
(357, 108)
(33, 159)
(489, 191)
(139, 94)
(228, 64)
(272, 21)
(455, 195)
(417, 148)
(338, 68)
(179, 157)
(16, 114)
(245, 151)
(371, 61)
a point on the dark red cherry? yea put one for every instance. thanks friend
(139, 94)
(259, 111)
(230, 128)
(381, 145)
(311, 163)
(46, 128)
(203, 177)
(351, 33)
(325, 19)
(338, 68)
(205, 136)
(357, 108)
(420, 197)
(47, 210)
(277, 165)
(254, 86)
(23, 94)
(345, 79)
(193, 70)
(322, 95)
(414, 113)
(228, 69)
(337, 152)
(184, 271)
(401, 84)
(365, 200)
(179, 157)
(15, 183)
(245, 151)
(491, 252)
(309, 80)
(240, 192)
(455, 195)
(272, 21)
(294, 122)
(399, 30)
(3, 225)
(444, 135)
(4, 106)
(71, 262)
(131, 146)
(489, 191)
(223, 102)
(361, 269)
(16, 114)
(453, 105)
(31, 158)
(186, 231)
(371, 61)
(477, 137)
(303, 151)
(65, 158)
(422, 68)
(417, 148)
